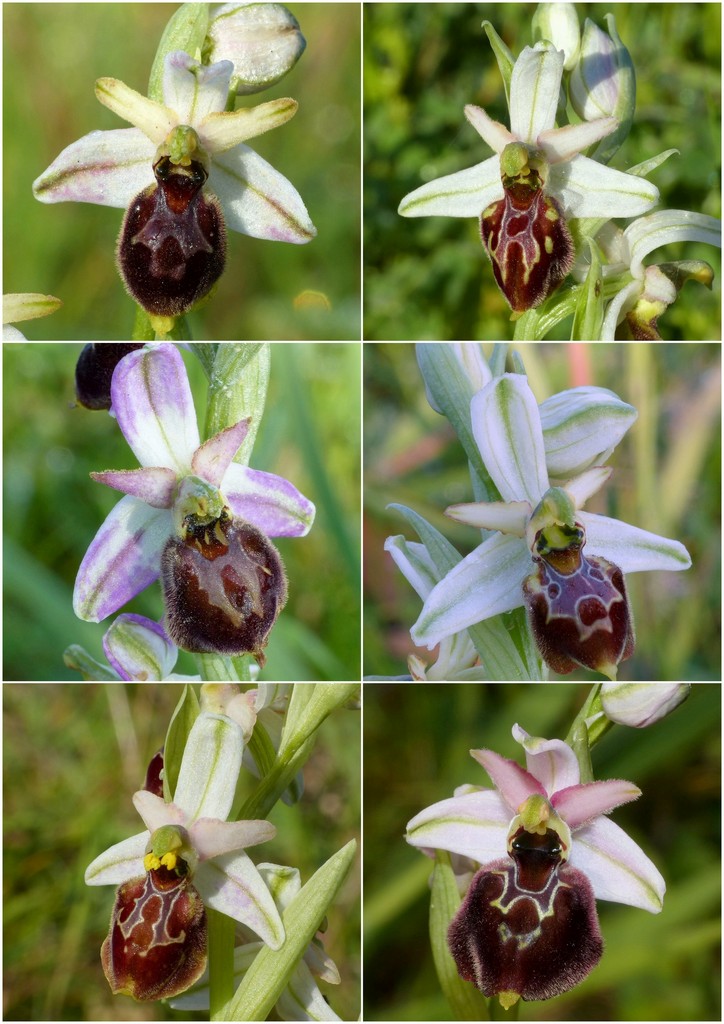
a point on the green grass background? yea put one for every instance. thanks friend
(73, 757)
(429, 278)
(53, 54)
(310, 434)
(654, 967)
(667, 479)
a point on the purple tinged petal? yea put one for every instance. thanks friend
(153, 485)
(578, 805)
(212, 838)
(232, 885)
(214, 457)
(156, 812)
(107, 168)
(514, 783)
(152, 401)
(138, 649)
(552, 762)
(474, 825)
(123, 558)
(192, 90)
(267, 501)
(617, 867)
(119, 863)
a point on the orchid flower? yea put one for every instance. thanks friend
(527, 927)
(537, 178)
(189, 857)
(189, 511)
(577, 603)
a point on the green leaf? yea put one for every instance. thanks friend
(503, 56)
(185, 714)
(310, 704)
(271, 970)
(588, 317)
(466, 1001)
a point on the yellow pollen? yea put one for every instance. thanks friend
(169, 860)
(151, 862)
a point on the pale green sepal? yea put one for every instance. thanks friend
(210, 768)
(28, 306)
(78, 659)
(505, 59)
(450, 388)
(185, 714)
(588, 318)
(185, 31)
(303, 722)
(271, 970)
(465, 1000)
(237, 389)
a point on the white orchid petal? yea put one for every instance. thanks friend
(301, 1000)
(534, 88)
(506, 516)
(156, 812)
(106, 168)
(232, 885)
(508, 433)
(193, 90)
(665, 226)
(119, 863)
(463, 194)
(257, 199)
(589, 189)
(213, 838)
(630, 548)
(564, 143)
(153, 119)
(618, 306)
(487, 582)
(474, 825)
(582, 487)
(617, 867)
(227, 129)
(493, 132)
(210, 767)
(581, 427)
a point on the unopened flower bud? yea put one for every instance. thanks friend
(94, 372)
(641, 704)
(558, 23)
(263, 41)
(603, 83)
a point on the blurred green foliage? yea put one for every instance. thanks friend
(654, 967)
(429, 278)
(53, 54)
(73, 757)
(309, 434)
(667, 479)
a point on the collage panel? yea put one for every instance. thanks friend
(182, 171)
(545, 171)
(542, 512)
(501, 880)
(241, 898)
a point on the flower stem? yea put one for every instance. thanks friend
(221, 963)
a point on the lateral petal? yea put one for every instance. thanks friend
(214, 457)
(230, 127)
(580, 804)
(514, 783)
(153, 485)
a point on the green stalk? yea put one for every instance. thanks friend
(221, 963)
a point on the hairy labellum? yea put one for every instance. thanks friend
(224, 585)
(172, 246)
(94, 372)
(528, 241)
(527, 927)
(156, 947)
(578, 609)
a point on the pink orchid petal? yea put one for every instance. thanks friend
(156, 812)
(552, 762)
(119, 863)
(580, 804)
(232, 885)
(214, 457)
(212, 838)
(267, 501)
(153, 485)
(108, 168)
(474, 825)
(514, 783)
(154, 406)
(617, 867)
(124, 558)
